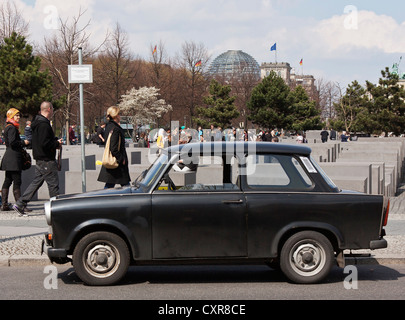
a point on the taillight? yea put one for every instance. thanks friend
(387, 209)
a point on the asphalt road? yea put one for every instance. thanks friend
(218, 283)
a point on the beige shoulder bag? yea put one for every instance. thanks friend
(109, 161)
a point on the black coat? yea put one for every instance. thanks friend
(44, 142)
(12, 159)
(118, 175)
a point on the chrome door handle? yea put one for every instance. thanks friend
(239, 201)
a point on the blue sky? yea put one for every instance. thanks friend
(339, 41)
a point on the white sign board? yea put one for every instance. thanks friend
(80, 73)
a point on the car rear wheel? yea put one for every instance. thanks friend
(307, 257)
(101, 258)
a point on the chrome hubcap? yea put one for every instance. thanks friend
(102, 260)
(307, 259)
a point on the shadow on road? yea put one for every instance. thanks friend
(234, 274)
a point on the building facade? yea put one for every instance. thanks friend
(284, 70)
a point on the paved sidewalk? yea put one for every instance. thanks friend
(21, 237)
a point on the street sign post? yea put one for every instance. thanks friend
(81, 73)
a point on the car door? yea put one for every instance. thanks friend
(199, 220)
(278, 192)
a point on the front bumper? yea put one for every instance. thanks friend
(56, 255)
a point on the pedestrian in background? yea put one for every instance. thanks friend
(332, 134)
(44, 146)
(72, 134)
(119, 175)
(100, 134)
(12, 159)
(28, 133)
(142, 143)
(324, 135)
(344, 137)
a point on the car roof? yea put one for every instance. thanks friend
(238, 146)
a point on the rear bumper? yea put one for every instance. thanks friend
(378, 244)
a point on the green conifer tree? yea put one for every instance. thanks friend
(305, 115)
(220, 108)
(270, 104)
(22, 84)
(387, 105)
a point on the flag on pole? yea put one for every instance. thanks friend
(154, 50)
(301, 62)
(273, 47)
(198, 63)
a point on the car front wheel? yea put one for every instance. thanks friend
(101, 258)
(307, 257)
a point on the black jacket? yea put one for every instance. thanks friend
(118, 175)
(44, 142)
(12, 159)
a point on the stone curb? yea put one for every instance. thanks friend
(21, 260)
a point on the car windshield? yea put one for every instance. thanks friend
(148, 176)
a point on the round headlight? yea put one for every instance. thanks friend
(47, 207)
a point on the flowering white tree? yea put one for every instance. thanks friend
(142, 106)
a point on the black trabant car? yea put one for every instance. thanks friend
(217, 203)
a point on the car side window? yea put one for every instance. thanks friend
(265, 171)
(211, 173)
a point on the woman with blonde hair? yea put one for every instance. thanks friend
(119, 175)
(12, 159)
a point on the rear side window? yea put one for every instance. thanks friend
(282, 172)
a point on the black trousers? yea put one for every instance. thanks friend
(44, 171)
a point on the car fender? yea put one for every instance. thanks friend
(297, 226)
(103, 224)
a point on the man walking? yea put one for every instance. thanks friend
(324, 135)
(44, 146)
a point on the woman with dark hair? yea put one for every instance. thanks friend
(12, 159)
(119, 175)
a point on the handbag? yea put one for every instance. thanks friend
(109, 161)
(26, 160)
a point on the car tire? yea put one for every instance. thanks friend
(306, 257)
(101, 258)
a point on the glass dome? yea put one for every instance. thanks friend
(234, 63)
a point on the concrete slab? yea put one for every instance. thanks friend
(359, 170)
(351, 183)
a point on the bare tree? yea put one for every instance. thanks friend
(115, 69)
(193, 61)
(158, 63)
(242, 85)
(11, 20)
(162, 74)
(329, 95)
(58, 52)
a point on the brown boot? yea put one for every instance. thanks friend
(17, 195)
(4, 200)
